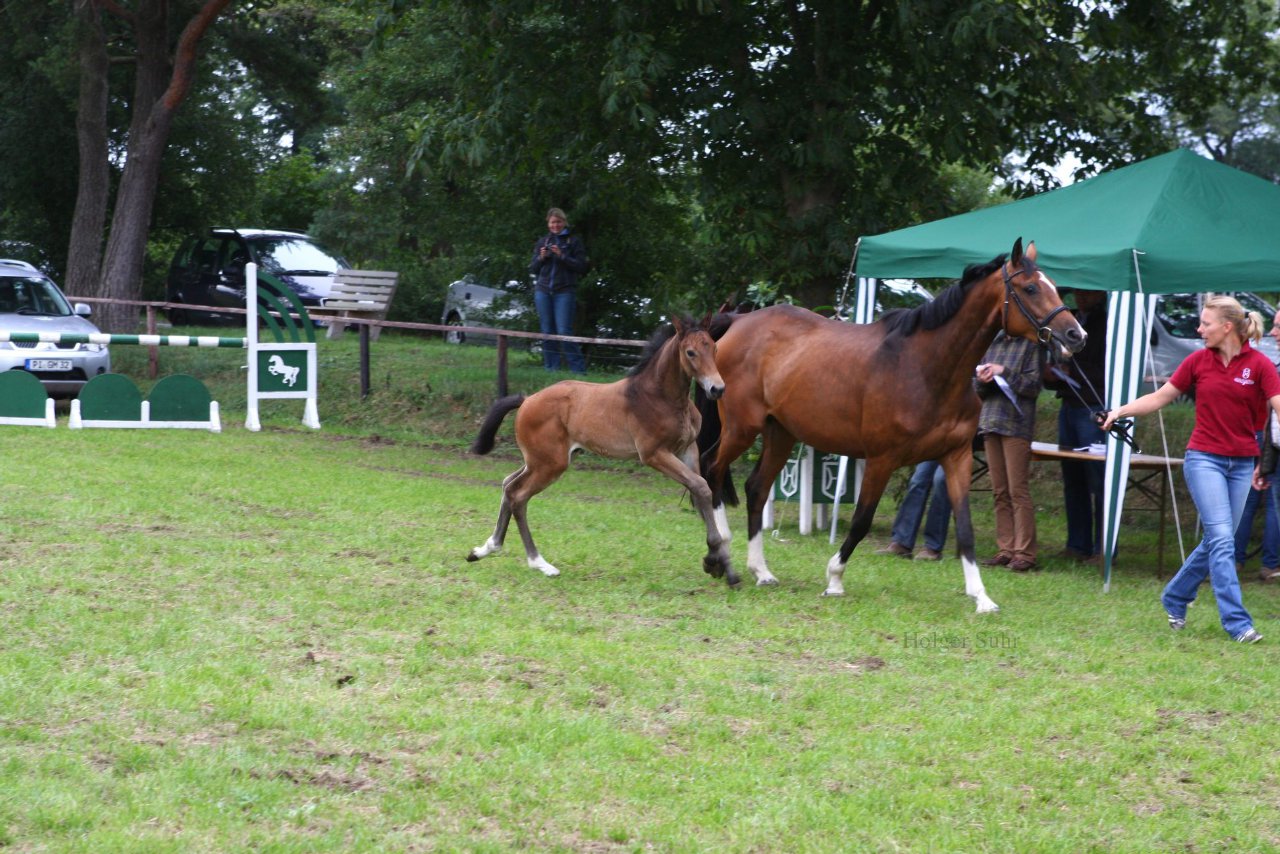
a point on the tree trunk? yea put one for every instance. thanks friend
(84, 253)
(154, 105)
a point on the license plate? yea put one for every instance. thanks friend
(48, 364)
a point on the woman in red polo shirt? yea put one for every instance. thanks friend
(1233, 384)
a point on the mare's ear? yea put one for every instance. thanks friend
(1015, 257)
(1031, 252)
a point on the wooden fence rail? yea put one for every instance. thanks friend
(153, 359)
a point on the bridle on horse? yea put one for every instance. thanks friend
(1043, 332)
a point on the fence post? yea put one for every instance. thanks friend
(153, 356)
(364, 361)
(502, 366)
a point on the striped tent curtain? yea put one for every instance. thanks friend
(1128, 317)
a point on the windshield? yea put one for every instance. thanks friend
(1180, 313)
(31, 295)
(294, 255)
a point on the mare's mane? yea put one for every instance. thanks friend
(905, 321)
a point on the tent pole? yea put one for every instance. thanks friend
(848, 277)
(1164, 437)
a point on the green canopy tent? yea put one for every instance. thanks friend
(1177, 223)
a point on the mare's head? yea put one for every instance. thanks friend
(1033, 308)
(698, 355)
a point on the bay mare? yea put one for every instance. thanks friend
(648, 415)
(895, 392)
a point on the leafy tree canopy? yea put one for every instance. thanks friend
(780, 131)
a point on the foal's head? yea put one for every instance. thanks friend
(698, 355)
(693, 349)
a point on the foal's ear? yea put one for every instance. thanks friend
(677, 322)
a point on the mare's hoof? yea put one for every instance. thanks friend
(731, 578)
(472, 557)
(713, 567)
(767, 582)
(828, 594)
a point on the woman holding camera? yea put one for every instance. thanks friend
(558, 259)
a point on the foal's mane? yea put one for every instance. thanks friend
(657, 341)
(931, 315)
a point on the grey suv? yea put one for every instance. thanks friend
(208, 269)
(1173, 332)
(31, 302)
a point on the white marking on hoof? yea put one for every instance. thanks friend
(756, 562)
(835, 576)
(542, 566)
(767, 582)
(974, 588)
(484, 550)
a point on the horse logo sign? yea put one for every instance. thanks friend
(287, 373)
(281, 370)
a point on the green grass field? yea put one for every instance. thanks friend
(272, 642)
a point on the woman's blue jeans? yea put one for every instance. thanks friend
(555, 313)
(1219, 487)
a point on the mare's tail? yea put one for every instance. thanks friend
(709, 434)
(484, 440)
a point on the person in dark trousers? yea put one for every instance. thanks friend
(1234, 386)
(1080, 384)
(559, 258)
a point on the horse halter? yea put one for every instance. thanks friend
(1043, 332)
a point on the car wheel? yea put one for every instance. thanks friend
(454, 336)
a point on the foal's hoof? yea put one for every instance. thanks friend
(731, 578)
(767, 582)
(472, 557)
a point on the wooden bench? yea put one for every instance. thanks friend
(357, 293)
